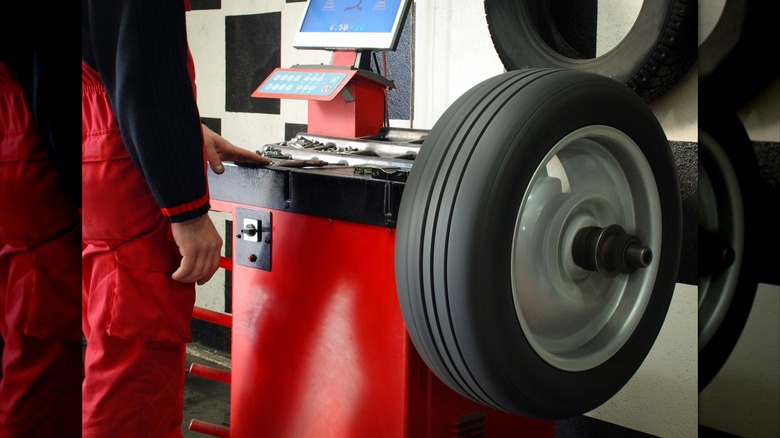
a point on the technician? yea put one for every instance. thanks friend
(40, 232)
(148, 238)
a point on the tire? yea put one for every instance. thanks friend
(729, 226)
(652, 58)
(484, 303)
(733, 56)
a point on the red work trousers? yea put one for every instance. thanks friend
(136, 318)
(40, 280)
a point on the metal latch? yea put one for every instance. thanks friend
(253, 240)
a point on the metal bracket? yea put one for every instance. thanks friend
(253, 238)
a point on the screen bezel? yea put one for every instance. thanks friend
(349, 40)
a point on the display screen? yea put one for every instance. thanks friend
(351, 24)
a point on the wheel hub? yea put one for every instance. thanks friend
(610, 251)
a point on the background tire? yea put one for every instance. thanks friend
(733, 57)
(652, 58)
(729, 226)
(490, 294)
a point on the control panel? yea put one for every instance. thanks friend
(304, 83)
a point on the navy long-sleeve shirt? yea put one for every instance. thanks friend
(34, 43)
(139, 48)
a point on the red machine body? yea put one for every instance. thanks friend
(319, 346)
(361, 114)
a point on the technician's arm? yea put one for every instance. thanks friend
(218, 149)
(139, 47)
(199, 244)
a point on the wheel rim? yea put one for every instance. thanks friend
(574, 318)
(720, 210)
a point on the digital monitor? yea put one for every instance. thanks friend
(351, 24)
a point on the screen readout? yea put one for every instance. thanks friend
(350, 16)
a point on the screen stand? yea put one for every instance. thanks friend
(344, 58)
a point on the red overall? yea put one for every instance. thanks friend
(40, 279)
(136, 318)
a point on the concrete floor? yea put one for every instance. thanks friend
(205, 399)
(208, 400)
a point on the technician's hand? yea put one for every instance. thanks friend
(218, 150)
(200, 245)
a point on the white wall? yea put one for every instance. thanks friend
(744, 398)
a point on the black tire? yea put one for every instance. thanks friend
(733, 57)
(652, 58)
(729, 226)
(457, 259)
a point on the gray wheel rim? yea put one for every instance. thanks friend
(573, 318)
